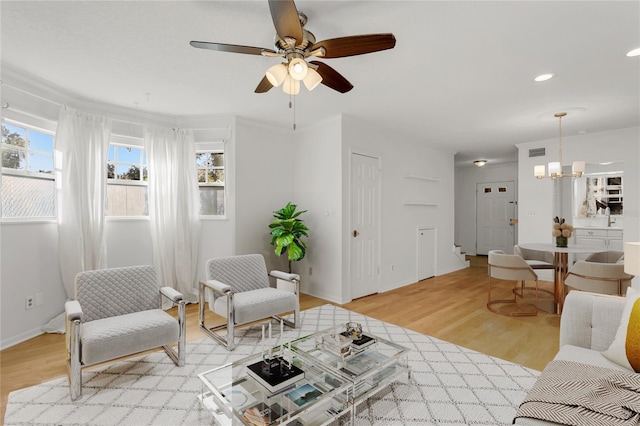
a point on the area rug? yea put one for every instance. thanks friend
(449, 385)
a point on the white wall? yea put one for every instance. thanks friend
(399, 156)
(536, 196)
(465, 198)
(317, 188)
(264, 170)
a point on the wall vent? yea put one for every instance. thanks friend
(537, 152)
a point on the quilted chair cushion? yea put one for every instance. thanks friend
(242, 273)
(110, 338)
(111, 292)
(258, 304)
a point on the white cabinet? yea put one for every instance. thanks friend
(609, 239)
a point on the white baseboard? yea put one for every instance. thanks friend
(22, 337)
(452, 269)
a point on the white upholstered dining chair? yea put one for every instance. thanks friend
(600, 273)
(511, 267)
(238, 289)
(118, 312)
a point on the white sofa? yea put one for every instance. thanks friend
(588, 325)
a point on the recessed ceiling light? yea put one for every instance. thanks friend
(634, 52)
(480, 163)
(543, 77)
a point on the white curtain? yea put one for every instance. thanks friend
(83, 141)
(173, 206)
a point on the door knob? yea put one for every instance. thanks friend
(355, 233)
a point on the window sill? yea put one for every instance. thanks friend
(213, 218)
(25, 221)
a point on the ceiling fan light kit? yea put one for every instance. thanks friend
(295, 45)
(312, 80)
(291, 86)
(276, 74)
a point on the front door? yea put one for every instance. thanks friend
(495, 217)
(365, 225)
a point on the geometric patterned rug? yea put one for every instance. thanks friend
(449, 385)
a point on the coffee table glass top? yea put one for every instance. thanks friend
(339, 372)
(369, 364)
(234, 397)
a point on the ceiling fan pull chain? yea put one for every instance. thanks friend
(293, 101)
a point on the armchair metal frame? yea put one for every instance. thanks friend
(223, 289)
(74, 321)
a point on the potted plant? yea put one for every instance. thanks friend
(286, 233)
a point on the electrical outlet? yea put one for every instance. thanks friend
(29, 302)
(310, 270)
(393, 267)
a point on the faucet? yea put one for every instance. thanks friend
(607, 213)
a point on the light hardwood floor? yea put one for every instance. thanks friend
(450, 307)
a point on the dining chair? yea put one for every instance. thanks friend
(510, 267)
(600, 273)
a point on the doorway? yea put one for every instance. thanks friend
(365, 225)
(495, 217)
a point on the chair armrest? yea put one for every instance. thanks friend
(172, 294)
(217, 286)
(72, 310)
(285, 276)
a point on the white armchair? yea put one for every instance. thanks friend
(118, 312)
(238, 289)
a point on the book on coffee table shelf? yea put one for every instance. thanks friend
(262, 414)
(274, 374)
(239, 397)
(363, 362)
(304, 394)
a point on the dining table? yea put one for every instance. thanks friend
(561, 265)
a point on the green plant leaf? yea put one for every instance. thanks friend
(295, 252)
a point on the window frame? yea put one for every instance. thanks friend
(117, 141)
(25, 173)
(213, 148)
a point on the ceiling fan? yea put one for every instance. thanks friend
(296, 44)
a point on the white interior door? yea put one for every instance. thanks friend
(426, 253)
(495, 214)
(365, 225)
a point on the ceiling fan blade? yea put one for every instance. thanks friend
(332, 78)
(285, 19)
(355, 45)
(264, 86)
(233, 48)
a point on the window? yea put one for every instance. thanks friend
(127, 193)
(210, 168)
(28, 178)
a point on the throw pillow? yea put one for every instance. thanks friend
(625, 348)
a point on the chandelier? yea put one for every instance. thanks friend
(555, 167)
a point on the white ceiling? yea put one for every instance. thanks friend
(460, 76)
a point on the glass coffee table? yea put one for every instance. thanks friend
(331, 375)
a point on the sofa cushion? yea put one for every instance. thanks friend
(113, 337)
(257, 304)
(586, 356)
(625, 349)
